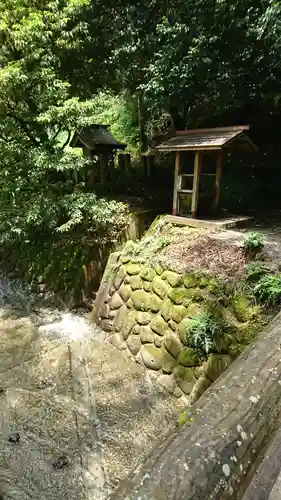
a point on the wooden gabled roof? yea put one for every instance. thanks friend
(207, 139)
(95, 137)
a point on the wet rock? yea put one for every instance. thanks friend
(14, 438)
(134, 344)
(61, 462)
(173, 345)
(160, 287)
(151, 356)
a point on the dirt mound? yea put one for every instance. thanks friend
(221, 259)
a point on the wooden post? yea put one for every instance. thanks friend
(176, 177)
(196, 180)
(218, 178)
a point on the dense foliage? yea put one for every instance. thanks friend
(67, 63)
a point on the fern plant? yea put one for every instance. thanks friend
(268, 289)
(254, 270)
(253, 242)
(203, 333)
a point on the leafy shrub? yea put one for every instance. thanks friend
(203, 333)
(254, 270)
(268, 289)
(253, 242)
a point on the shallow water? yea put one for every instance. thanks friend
(83, 413)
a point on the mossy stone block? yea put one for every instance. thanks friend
(173, 345)
(168, 362)
(167, 382)
(185, 379)
(158, 341)
(146, 335)
(147, 274)
(120, 318)
(178, 313)
(215, 365)
(158, 269)
(125, 259)
(125, 292)
(160, 287)
(188, 357)
(152, 357)
(116, 302)
(154, 303)
(133, 268)
(143, 318)
(147, 286)
(141, 300)
(173, 325)
(194, 295)
(165, 309)
(184, 329)
(119, 278)
(179, 295)
(128, 325)
(194, 309)
(173, 278)
(159, 325)
(190, 281)
(136, 282)
(244, 309)
(134, 344)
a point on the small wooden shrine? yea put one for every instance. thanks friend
(199, 181)
(97, 144)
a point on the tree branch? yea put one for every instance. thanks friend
(67, 140)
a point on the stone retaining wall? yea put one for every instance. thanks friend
(147, 310)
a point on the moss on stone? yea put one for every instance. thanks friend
(146, 335)
(147, 273)
(119, 278)
(154, 303)
(166, 309)
(215, 365)
(179, 295)
(178, 313)
(188, 357)
(160, 287)
(140, 300)
(190, 281)
(158, 269)
(152, 356)
(194, 309)
(173, 345)
(125, 259)
(184, 378)
(159, 325)
(125, 292)
(136, 282)
(184, 329)
(147, 286)
(244, 309)
(143, 318)
(185, 417)
(172, 277)
(168, 362)
(133, 268)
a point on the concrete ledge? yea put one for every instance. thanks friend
(215, 455)
(227, 223)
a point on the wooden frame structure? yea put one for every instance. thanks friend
(212, 139)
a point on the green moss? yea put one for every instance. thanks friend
(159, 325)
(159, 269)
(132, 268)
(189, 357)
(173, 278)
(180, 295)
(141, 300)
(190, 281)
(185, 417)
(165, 310)
(136, 282)
(147, 273)
(160, 287)
(178, 313)
(244, 309)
